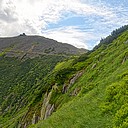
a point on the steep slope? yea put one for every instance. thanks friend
(98, 97)
(58, 91)
(33, 46)
(25, 65)
(19, 84)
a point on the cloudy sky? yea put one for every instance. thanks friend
(81, 23)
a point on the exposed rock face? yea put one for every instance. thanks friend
(125, 57)
(47, 108)
(35, 119)
(25, 126)
(94, 65)
(64, 89)
(72, 81)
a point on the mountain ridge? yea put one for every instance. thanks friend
(34, 46)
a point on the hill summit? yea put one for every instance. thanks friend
(32, 46)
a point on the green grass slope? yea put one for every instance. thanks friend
(102, 99)
(20, 82)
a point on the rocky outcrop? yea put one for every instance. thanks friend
(75, 91)
(35, 119)
(71, 81)
(94, 65)
(64, 89)
(125, 57)
(47, 108)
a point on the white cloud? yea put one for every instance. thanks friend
(71, 35)
(7, 12)
(33, 17)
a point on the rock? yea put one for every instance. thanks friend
(47, 108)
(35, 119)
(51, 110)
(44, 106)
(94, 65)
(47, 111)
(19, 125)
(64, 89)
(55, 87)
(125, 58)
(126, 42)
(25, 125)
(73, 80)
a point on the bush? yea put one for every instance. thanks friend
(117, 102)
(121, 117)
(63, 74)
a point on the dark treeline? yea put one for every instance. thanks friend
(114, 34)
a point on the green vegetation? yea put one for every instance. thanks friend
(117, 101)
(103, 96)
(53, 91)
(19, 83)
(115, 34)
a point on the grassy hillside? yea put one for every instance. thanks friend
(98, 98)
(56, 91)
(19, 85)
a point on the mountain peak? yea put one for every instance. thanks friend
(33, 46)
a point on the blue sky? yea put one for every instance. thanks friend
(81, 23)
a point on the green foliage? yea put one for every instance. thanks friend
(102, 101)
(22, 82)
(96, 99)
(63, 74)
(65, 64)
(121, 117)
(116, 101)
(81, 58)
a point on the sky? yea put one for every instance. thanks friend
(81, 23)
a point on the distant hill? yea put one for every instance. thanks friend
(31, 46)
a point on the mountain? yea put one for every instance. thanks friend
(32, 46)
(51, 91)
(25, 65)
